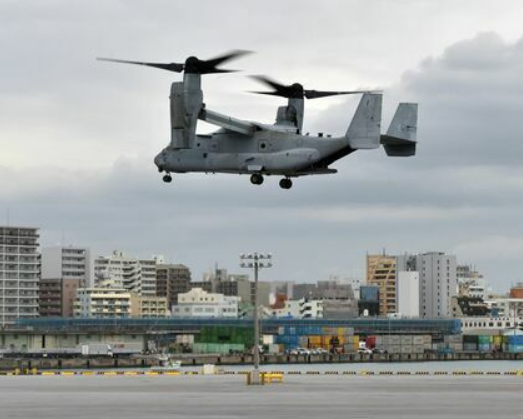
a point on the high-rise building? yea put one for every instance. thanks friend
(381, 271)
(121, 271)
(64, 270)
(407, 293)
(171, 280)
(19, 273)
(437, 281)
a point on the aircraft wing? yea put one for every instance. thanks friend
(240, 126)
(228, 122)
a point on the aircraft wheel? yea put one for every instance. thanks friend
(256, 179)
(285, 183)
(167, 178)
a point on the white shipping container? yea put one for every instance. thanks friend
(394, 339)
(268, 339)
(418, 340)
(91, 349)
(418, 349)
(406, 340)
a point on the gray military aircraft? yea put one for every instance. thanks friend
(258, 149)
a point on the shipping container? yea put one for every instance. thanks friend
(406, 340)
(370, 342)
(217, 348)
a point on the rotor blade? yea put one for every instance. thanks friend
(315, 94)
(214, 62)
(270, 82)
(264, 93)
(178, 68)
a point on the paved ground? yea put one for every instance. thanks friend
(321, 397)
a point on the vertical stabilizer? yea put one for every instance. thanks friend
(364, 129)
(401, 137)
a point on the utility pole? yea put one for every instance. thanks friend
(256, 261)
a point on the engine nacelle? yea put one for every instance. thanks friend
(186, 101)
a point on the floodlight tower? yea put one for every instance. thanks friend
(256, 261)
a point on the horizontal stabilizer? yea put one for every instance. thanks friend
(401, 137)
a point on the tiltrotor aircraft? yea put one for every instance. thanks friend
(280, 149)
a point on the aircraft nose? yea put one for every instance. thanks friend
(159, 161)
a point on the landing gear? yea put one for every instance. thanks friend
(285, 183)
(167, 178)
(256, 179)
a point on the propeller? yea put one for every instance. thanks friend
(191, 65)
(296, 90)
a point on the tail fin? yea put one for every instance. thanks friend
(400, 140)
(364, 129)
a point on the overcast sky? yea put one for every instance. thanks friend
(78, 136)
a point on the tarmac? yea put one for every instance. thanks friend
(228, 396)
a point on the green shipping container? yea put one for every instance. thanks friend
(217, 348)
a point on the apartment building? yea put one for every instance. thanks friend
(198, 303)
(149, 307)
(119, 270)
(64, 270)
(437, 281)
(171, 280)
(381, 271)
(19, 273)
(102, 303)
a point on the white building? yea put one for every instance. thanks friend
(407, 293)
(299, 309)
(19, 273)
(437, 281)
(121, 271)
(506, 307)
(198, 303)
(102, 303)
(493, 325)
(64, 270)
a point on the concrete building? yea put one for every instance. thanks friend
(64, 270)
(407, 294)
(437, 281)
(369, 301)
(338, 300)
(465, 306)
(198, 303)
(102, 303)
(121, 271)
(505, 307)
(149, 307)
(489, 325)
(299, 309)
(381, 271)
(471, 283)
(19, 273)
(516, 291)
(171, 280)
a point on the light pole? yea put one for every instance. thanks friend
(256, 261)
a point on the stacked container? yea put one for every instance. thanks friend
(485, 343)
(513, 344)
(470, 343)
